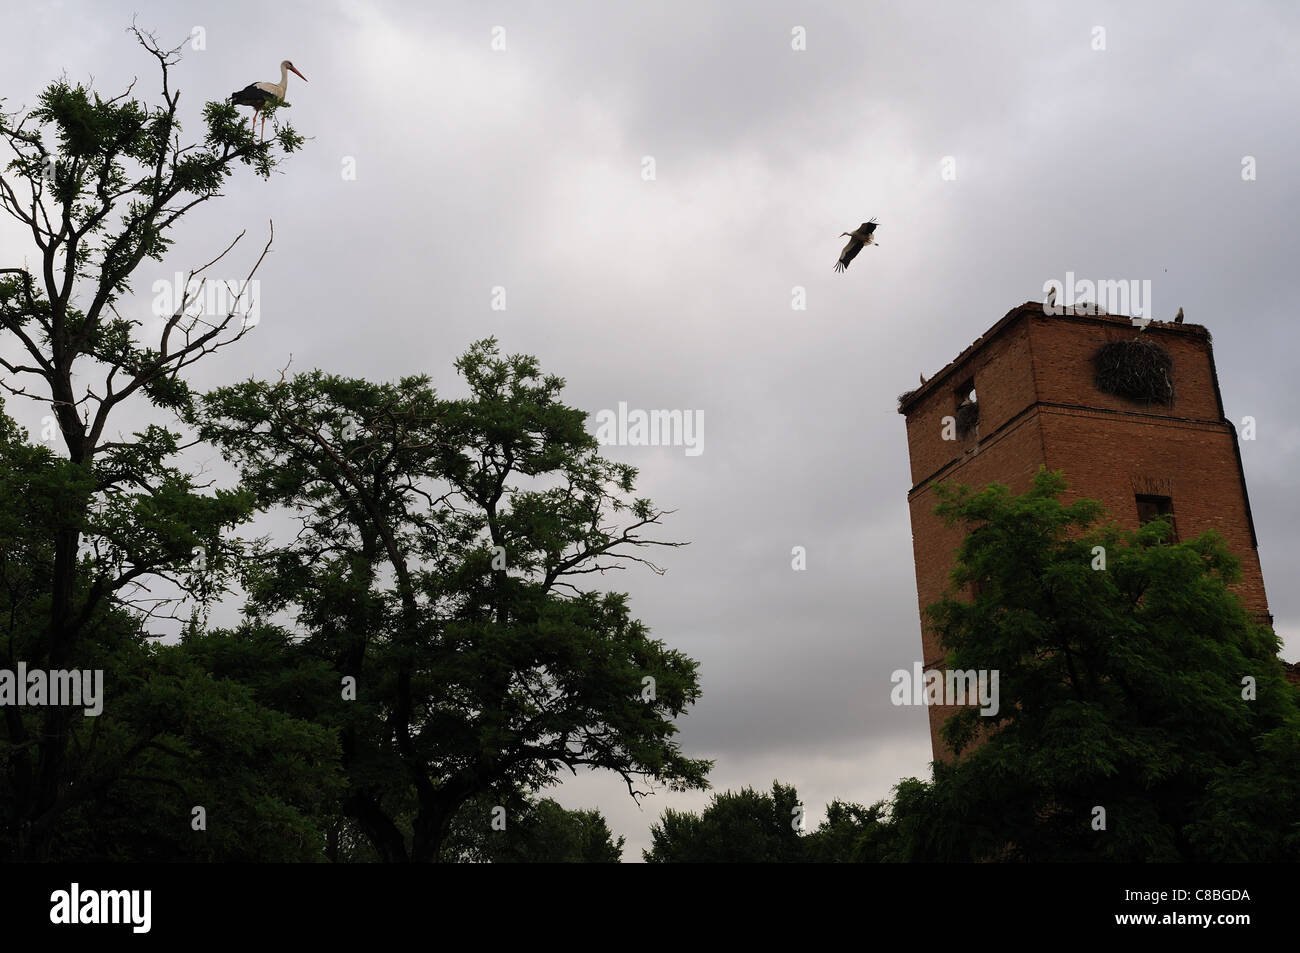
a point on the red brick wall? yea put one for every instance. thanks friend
(1111, 458)
(1063, 348)
(1011, 457)
(1003, 388)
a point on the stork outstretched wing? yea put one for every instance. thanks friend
(850, 252)
(858, 239)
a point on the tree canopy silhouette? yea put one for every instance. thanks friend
(99, 184)
(1144, 715)
(439, 567)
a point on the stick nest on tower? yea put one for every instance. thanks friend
(1137, 369)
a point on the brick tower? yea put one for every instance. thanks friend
(1025, 395)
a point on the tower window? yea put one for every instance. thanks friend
(1157, 507)
(967, 410)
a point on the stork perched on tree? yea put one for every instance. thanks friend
(261, 95)
(857, 240)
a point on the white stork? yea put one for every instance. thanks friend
(261, 95)
(857, 240)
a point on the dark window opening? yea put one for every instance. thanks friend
(967, 409)
(1157, 507)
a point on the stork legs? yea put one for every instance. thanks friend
(252, 123)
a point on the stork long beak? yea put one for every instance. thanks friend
(299, 75)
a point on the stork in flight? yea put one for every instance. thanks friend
(261, 95)
(857, 240)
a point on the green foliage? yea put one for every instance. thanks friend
(536, 832)
(187, 737)
(88, 535)
(851, 833)
(1119, 688)
(737, 827)
(758, 827)
(175, 730)
(441, 546)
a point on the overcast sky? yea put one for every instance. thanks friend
(523, 168)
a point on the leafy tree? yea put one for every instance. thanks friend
(99, 184)
(851, 833)
(1120, 689)
(758, 827)
(175, 731)
(736, 827)
(535, 832)
(437, 570)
